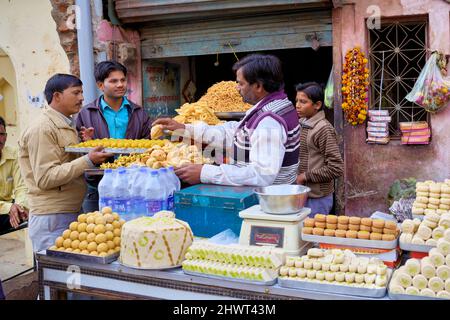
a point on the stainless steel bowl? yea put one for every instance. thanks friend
(282, 198)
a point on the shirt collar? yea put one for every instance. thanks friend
(7, 154)
(103, 104)
(311, 122)
(68, 120)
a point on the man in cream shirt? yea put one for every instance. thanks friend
(13, 206)
(54, 178)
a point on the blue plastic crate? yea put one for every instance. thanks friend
(210, 209)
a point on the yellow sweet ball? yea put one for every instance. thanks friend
(53, 248)
(90, 219)
(109, 227)
(100, 220)
(102, 247)
(82, 227)
(110, 244)
(93, 253)
(92, 246)
(91, 237)
(84, 252)
(61, 249)
(76, 251)
(100, 238)
(109, 235)
(117, 232)
(73, 226)
(117, 249)
(97, 213)
(116, 216)
(68, 250)
(66, 234)
(75, 244)
(116, 224)
(100, 228)
(90, 227)
(116, 241)
(67, 243)
(106, 210)
(83, 245)
(102, 254)
(74, 235)
(82, 218)
(59, 241)
(111, 251)
(82, 236)
(122, 222)
(109, 218)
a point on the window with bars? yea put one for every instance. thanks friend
(403, 45)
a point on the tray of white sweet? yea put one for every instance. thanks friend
(422, 236)
(428, 278)
(336, 271)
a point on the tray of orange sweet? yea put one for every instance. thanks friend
(351, 231)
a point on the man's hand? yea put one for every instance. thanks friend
(16, 214)
(190, 173)
(86, 134)
(301, 178)
(97, 156)
(169, 124)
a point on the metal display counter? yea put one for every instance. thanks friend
(58, 276)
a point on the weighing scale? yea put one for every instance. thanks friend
(282, 231)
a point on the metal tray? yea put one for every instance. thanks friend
(94, 172)
(110, 150)
(230, 115)
(331, 288)
(395, 296)
(138, 268)
(415, 247)
(261, 283)
(83, 257)
(376, 244)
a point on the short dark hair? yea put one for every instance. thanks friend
(265, 69)
(104, 68)
(313, 91)
(2, 122)
(60, 82)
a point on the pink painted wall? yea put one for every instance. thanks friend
(371, 169)
(107, 33)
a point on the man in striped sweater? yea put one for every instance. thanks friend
(264, 146)
(320, 159)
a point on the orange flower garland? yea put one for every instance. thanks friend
(355, 86)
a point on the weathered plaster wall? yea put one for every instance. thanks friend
(28, 36)
(371, 169)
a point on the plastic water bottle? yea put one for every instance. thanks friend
(154, 196)
(138, 192)
(105, 190)
(174, 178)
(122, 199)
(132, 174)
(170, 188)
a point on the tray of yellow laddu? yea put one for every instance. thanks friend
(116, 146)
(94, 237)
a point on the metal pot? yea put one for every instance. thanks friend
(283, 198)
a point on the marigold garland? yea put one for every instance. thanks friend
(355, 86)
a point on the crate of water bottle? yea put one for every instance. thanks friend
(138, 191)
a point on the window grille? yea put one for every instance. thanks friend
(404, 47)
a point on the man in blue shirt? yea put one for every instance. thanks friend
(112, 115)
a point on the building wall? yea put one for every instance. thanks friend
(28, 36)
(371, 169)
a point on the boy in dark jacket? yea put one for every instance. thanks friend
(112, 115)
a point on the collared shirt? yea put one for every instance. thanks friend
(266, 155)
(11, 182)
(117, 120)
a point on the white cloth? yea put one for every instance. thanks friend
(266, 154)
